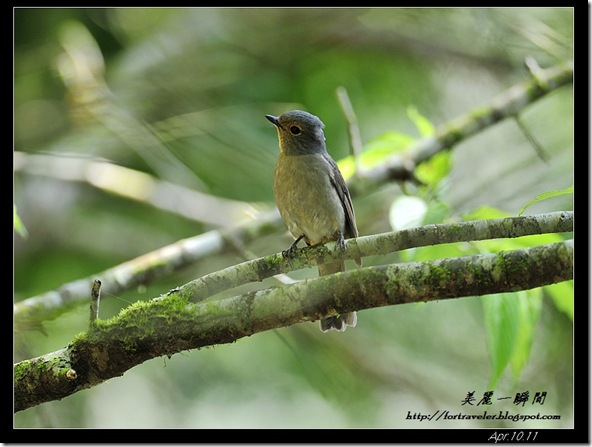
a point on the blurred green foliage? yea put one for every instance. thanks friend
(181, 94)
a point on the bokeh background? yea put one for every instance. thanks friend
(180, 95)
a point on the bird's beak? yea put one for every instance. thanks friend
(274, 120)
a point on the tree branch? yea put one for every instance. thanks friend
(141, 270)
(135, 185)
(378, 244)
(166, 260)
(506, 105)
(147, 330)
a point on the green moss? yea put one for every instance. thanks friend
(41, 366)
(478, 274)
(508, 225)
(518, 264)
(184, 294)
(21, 369)
(438, 275)
(534, 89)
(457, 230)
(499, 267)
(480, 113)
(141, 320)
(450, 134)
(274, 260)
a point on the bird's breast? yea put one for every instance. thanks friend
(307, 199)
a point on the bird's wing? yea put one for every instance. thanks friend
(339, 183)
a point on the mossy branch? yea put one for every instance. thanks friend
(142, 270)
(377, 244)
(166, 326)
(166, 260)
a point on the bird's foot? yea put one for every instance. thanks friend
(340, 242)
(290, 252)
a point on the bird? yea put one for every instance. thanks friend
(311, 194)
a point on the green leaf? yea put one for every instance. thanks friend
(387, 143)
(19, 227)
(431, 171)
(439, 251)
(510, 320)
(562, 295)
(425, 127)
(501, 326)
(530, 304)
(484, 212)
(376, 151)
(548, 195)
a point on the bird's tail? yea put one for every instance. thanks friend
(337, 322)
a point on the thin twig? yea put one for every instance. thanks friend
(355, 139)
(95, 296)
(531, 138)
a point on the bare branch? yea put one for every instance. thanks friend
(95, 296)
(532, 139)
(136, 185)
(355, 140)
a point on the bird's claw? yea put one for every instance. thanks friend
(340, 242)
(290, 252)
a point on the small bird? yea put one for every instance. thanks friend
(311, 194)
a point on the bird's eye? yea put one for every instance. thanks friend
(295, 130)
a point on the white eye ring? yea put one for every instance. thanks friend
(295, 130)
